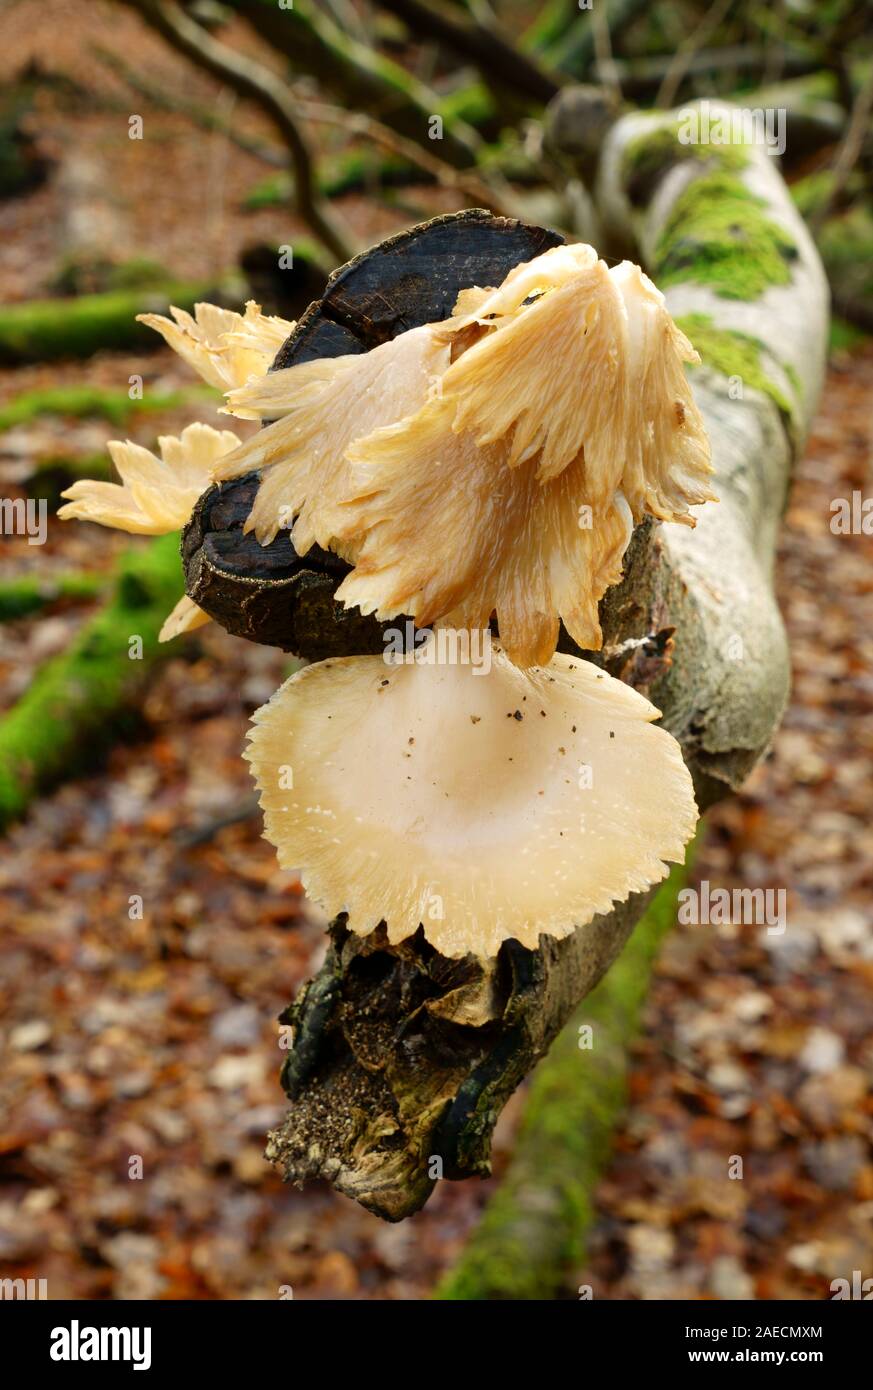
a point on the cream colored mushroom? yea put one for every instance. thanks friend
(494, 462)
(593, 364)
(155, 495)
(482, 804)
(545, 379)
(223, 347)
(185, 617)
(319, 409)
(451, 533)
(666, 457)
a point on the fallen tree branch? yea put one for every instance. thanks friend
(362, 78)
(641, 77)
(355, 123)
(574, 50)
(402, 1060)
(492, 192)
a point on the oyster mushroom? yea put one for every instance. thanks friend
(223, 347)
(319, 409)
(155, 495)
(452, 534)
(493, 462)
(481, 805)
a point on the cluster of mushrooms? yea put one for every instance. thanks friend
(488, 466)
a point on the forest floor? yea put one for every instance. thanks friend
(142, 1053)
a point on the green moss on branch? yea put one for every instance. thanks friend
(735, 354)
(82, 700)
(652, 153)
(718, 234)
(81, 402)
(45, 329)
(29, 593)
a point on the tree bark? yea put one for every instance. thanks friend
(402, 1060)
(533, 1232)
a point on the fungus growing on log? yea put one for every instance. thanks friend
(272, 594)
(523, 451)
(490, 463)
(499, 542)
(155, 496)
(483, 803)
(320, 408)
(223, 347)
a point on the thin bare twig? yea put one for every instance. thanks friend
(848, 153)
(774, 45)
(500, 63)
(685, 53)
(492, 192)
(607, 71)
(255, 82)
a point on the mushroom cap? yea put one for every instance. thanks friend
(589, 362)
(544, 378)
(549, 270)
(483, 803)
(666, 456)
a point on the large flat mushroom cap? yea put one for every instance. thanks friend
(482, 803)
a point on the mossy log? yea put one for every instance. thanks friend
(42, 330)
(100, 402)
(533, 1234)
(81, 700)
(402, 1058)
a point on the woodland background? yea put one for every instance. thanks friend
(158, 1036)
